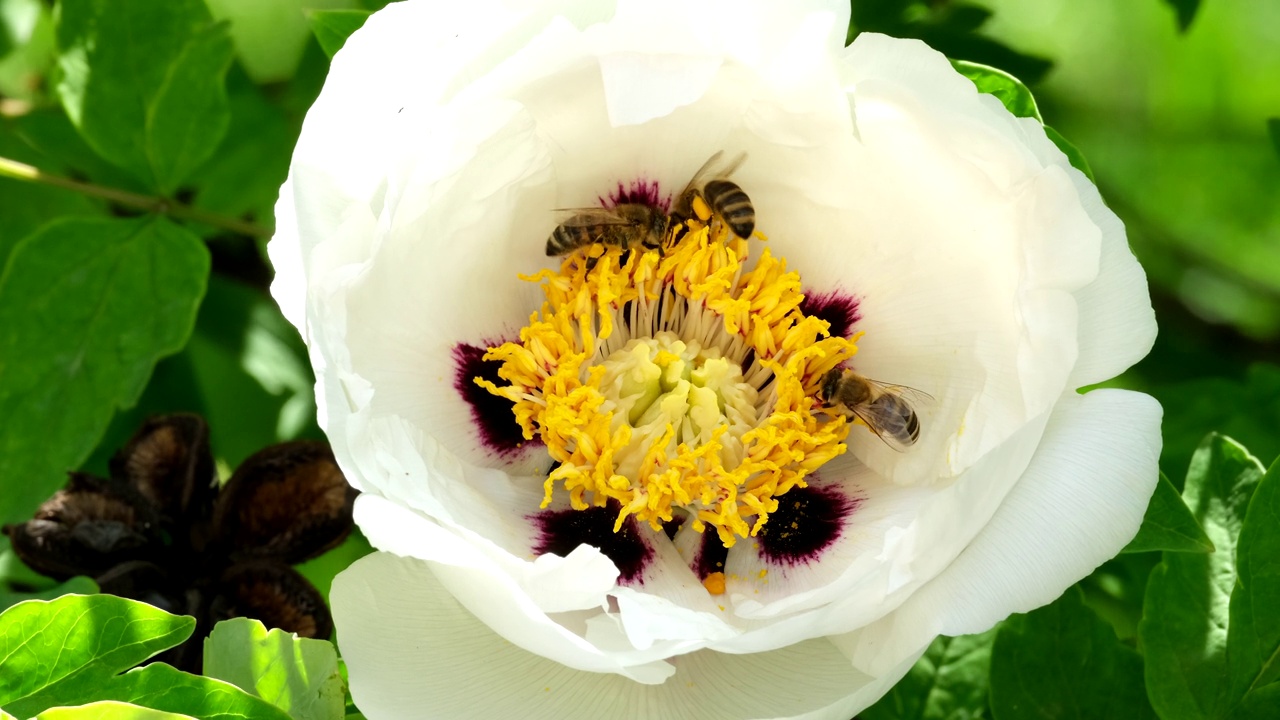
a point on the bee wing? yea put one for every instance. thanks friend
(875, 419)
(589, 217)
(713, 167)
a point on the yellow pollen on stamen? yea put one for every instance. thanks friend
(675, 383)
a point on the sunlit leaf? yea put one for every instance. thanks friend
(297, 675)
(56, 650)
(948, 683)
(87, 306)
(1062, 662)
(1186, 617)
(1008, 89)
(143, 82)
(108, 710)
(1169, 525)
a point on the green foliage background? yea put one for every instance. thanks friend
(152, 297)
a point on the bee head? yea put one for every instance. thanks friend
(830, 385)
(658, 225)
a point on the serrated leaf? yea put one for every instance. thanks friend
(297, 675)
(87, 307)
(143, 82)
(1253, 639)
(1186, 11)
(108, 710)
(333, 27)
(1186, 611)
(1074, 156)
(1008, 89)
(51, 650)
(1062, 661)
(948, 683)
(78, 585)
(1169, 525)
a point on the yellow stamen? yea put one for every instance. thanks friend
(630, 375)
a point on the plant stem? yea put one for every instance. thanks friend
(159, 205)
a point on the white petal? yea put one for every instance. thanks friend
(1081, 499)
(413, 652)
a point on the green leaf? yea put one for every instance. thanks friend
(1186, 613)
(1169, 525)
(87, 306)
(1273, 130)
(1007, 88)
(25, 206)
(1248, 411)
(50, 650)
(108, 710)
(333, 27)
(1253, 638)
(1074, 156)
(949, 682)
(161, 687)
(1186, 11)
(270, 36)
(143, 82)
(78, 585)
(297, 675)
(1062, 661)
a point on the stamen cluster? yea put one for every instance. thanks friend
(564, 387)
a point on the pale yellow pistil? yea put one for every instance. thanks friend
(675, 383)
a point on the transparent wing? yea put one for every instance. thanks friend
(714, 167)
(589, 217)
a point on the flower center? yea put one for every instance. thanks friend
(679, 382)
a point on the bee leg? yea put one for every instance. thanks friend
(624, 257)
(591, 262)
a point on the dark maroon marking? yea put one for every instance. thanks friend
(672, 526)
(808, 521)
(711, 556)
(492, 414)
(839, 309)
(640, 192)
(564, 530)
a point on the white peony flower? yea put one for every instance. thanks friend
(714, 539)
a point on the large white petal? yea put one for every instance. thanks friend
(1081, 499)
(414, 652)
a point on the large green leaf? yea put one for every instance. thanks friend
(25, 206)
(1253, 639)
(87, 306)
(297, 675)
(1169, 525)
(161, 687)
(333, 27)
(1186, 11)
(270, 36)
(108, 710)
(1061, 662)
(143, 82)
(59, 649)
(948, 683)
(1186, 615)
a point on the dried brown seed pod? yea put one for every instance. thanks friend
(289, 502)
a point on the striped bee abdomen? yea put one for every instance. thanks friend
(732, 205)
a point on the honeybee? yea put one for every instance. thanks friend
(725, 198)
(884, 408)
(621, 226)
